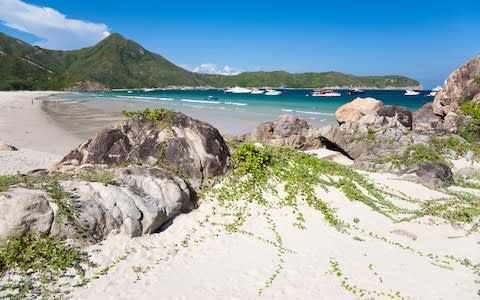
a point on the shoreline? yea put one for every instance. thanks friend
(206, 88)
(24, 124)
(41, 142)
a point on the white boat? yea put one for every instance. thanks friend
(272, 93)
(147, 90)
(238, 90)
(326, 93)
(434, 91)
(257, 92)
(411, 93)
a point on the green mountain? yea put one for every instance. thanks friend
(121, 63)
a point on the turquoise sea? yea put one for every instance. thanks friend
(240, 113)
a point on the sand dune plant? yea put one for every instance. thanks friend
(40, 261)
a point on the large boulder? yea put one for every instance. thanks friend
(141, 202)
(194, 148)
(286, 130)
(356, 109)
(23, 210)
(424, 119)
(435, 174)
(400, 113)
(461, 86)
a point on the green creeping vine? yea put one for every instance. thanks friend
(40, 261)
(260, 171)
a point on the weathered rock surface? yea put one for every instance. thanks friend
(143, 201)
(461, 86)
(424, 119)
(7, 147)
(23, 210)
(400, 113)
(356, 109)
(194, 148)
(286, 130)
(435, 174)
(89, 86)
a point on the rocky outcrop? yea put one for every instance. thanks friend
(23, 210)
(194, 148)
(356, 109)
(461, 86)
(434, 174)
(424, 119)
(400, 113)
(286, 130)
(88, 86)
(141, 202)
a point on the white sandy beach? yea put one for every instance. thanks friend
(24, 125)
(196, 258)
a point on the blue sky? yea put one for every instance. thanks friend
(425, 40)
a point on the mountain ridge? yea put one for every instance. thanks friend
(118, 62)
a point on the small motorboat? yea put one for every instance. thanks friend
(257, 92)
(148, 90)
(411, 93)
(326, 93)
(238, 90)
(434, 91)
(272, 93)
(211, 98)
(355, 91)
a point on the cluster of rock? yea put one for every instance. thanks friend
(88, 86)
(369, 130)
(141, 202)
(146, 194)
(191, 147)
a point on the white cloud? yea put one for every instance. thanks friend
(55, 30)
(212, 69)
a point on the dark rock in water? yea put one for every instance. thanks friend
(89, 86)
(7, 147)
(403, 115)
(194, 148)
(435, 174)
(461, 86)
(424, 119)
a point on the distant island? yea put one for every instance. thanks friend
(116, 62)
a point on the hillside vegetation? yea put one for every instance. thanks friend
(121, 63)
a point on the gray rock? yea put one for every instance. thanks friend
(435, 174)
(286, 130)
(145, 200)
(424, 119)
(460, 87)
(194, 148)
(23, 210)
(402, 114)
(468, 171)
